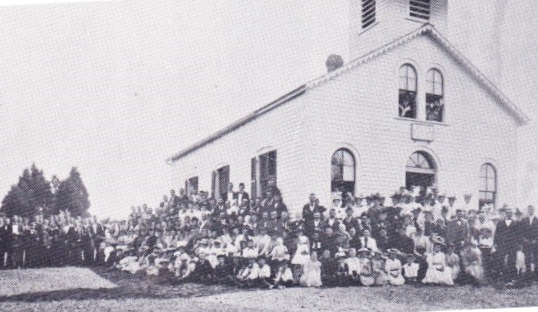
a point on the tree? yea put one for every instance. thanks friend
(72, 195)
(31, 193)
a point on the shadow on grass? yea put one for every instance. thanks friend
(129, 286)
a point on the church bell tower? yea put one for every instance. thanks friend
(374, 23)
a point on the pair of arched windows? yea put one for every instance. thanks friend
(407, 94)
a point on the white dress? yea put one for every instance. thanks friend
(438, 272)
(312, 274)
(302, 255)
(394, 272)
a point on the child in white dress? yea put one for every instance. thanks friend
(438, 273)
(393, 267)
(312, 272)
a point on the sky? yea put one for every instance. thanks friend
(116, 87)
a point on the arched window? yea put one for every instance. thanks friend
(368, 13)
(343, 171)
(488, 185)
(434, 95)
(408, 92)
(420, 170)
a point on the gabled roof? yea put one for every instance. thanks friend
(426, 29)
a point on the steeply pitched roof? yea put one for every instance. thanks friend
(426, 29)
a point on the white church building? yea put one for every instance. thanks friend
(408, 109)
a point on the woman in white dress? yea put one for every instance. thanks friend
(453, 261)
(312, 272)
(393, 267)
(438, 273)
(302, 253)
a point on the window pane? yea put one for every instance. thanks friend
(337, 174)
(349, 173)
(491, 185)
(348, 159)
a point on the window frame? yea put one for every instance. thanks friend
(404, 90)
(368, 13)
(485, 181)
(435, 99)
(341, 181)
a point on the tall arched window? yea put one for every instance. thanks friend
(434, 95)
(408, 92)
(343, 171)
(488, 185)
(420, 170)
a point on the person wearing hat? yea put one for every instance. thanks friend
(353, 268)
(438, 272)
(457, 230)
(410, 269)
(366, 274)
(393, 267)
(529, 231)
(379, 268)
(507, 237)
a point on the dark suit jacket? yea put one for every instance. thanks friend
(335, 225)
(309, 214)
(457, 232)
(311, 227)
(506, 237)
(245, 195)
(529, 230)
(351, 223)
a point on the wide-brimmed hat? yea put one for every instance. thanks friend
(393, 251)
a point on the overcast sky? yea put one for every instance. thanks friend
(114, 88)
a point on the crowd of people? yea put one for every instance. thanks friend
(420, 237)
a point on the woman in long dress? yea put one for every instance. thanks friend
(301, 257)
(312, 272)
(393, 267)
(366, 274)
(438, 273)
(378, 268)
(472, 263)
(453, 261)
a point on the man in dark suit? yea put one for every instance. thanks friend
(332, 221)
(278, 206)
(457, 231)
(311, 208)
(506, 240)
(316, 224)
(529, 232)
(350, 221)
(241, 195)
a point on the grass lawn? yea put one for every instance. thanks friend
(125, 292)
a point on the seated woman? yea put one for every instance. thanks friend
(410, 270)
(379, 269)
(472, 264)
(366, 275)
(393, 267)
(284, 277)
(353, 268)
(438, 273)
(453, 261)
(312, 272)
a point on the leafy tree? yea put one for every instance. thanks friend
(72, 195)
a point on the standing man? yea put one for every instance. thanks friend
(506, 241)
(311, 208)
(457, 231)
(529, 232)
(241, 195)
(230, 195)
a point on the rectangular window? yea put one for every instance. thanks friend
(267, 169)
(253, 180)
(420, 9)
(222, 180)
(368, 13)
(191, 186)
